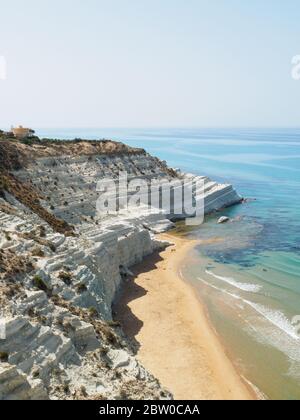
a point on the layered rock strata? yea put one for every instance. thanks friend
(62, 263)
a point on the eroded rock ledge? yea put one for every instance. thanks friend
(61, 265)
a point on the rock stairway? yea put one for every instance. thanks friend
(55, 339)
(29, 346)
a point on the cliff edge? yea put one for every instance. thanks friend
(62, 263)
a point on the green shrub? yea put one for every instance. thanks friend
(7, 236)
(39, 283)
(4, 357)
(93, 312)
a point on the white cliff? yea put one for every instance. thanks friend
(57, 338)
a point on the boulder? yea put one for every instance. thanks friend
(223, 219)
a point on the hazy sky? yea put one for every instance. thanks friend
(145, 63)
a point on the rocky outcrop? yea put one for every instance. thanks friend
(15, 386)
(62, 263)
(223, 219)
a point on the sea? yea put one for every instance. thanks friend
(247, 271)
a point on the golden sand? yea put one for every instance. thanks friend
(161, 313)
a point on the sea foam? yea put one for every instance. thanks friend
(275, 317)
(246, 287)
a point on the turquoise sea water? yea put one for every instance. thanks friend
(249, 279)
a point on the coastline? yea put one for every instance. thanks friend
(81, 255)
(163, 317)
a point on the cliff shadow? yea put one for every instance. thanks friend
(129, 292)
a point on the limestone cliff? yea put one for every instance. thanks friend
(61, 265)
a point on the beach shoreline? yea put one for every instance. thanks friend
(165, 320)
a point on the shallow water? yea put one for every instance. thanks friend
(250, 278)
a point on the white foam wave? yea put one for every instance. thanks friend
(221, 290)
(275, 317)
(246, 287)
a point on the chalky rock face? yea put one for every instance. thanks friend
(70, 184)
(57, 339)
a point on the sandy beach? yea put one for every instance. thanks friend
(161, 314)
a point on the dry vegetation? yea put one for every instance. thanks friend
(103, 330)
(12, 264)
(15, 154)
(26, 195)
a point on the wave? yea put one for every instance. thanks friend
(221, 290)
(275, 317)
(246, 287)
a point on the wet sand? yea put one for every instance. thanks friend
(167, 323)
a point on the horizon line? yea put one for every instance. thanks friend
(191, 127)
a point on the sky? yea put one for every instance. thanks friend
(149, 63)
